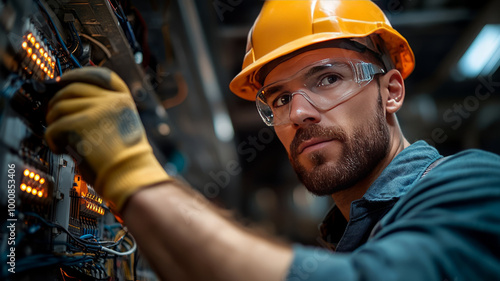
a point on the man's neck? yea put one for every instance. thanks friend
(344, 198)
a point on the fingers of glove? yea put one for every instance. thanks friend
(69, 107)
(61, 138)
(98, 76)
(82, 90)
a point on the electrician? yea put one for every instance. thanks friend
(329, 76)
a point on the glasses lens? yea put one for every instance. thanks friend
(324, 84)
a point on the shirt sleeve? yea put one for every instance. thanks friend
(447, 228)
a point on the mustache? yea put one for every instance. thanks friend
(316, 131)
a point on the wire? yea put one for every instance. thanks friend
(129, 252)
(98, 44)
(59, 38)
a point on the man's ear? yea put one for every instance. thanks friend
(394, 85)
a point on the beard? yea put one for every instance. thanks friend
(361, 153)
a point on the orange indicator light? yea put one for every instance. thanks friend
(23, 187)
(26, 172)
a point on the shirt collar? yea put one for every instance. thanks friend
(404, 170)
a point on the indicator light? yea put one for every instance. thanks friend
(24, 45)
(26, 172)
(29, 51)
(37, 177)
(33, 57)
(37, 45)
(28, 189)
(42, 181)
(38, 61)
(32, 40)
(32, 175)
(23, 187)
(34, 192)
(29, 36)
(40, 193)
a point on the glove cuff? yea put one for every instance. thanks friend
(138, 170)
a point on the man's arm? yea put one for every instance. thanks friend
(184, 237)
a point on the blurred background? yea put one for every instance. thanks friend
(224, 149)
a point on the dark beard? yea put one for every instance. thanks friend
(361, 153)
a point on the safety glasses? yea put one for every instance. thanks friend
(324, 84)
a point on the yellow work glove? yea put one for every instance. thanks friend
(94, 119)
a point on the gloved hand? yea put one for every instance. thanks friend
(95, 120)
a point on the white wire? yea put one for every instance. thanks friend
(99, 44)
(129, 252)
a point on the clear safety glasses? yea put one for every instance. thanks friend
(324, 84)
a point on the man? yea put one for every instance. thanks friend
(329, 76)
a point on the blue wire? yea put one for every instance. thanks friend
(59, 38)
(59, 66)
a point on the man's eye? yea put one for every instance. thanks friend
(328, 80)
(282, 100)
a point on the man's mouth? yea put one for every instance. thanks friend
(314, 143)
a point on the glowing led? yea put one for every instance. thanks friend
(42, 52)
(34, 192)
(45, 69)
(32, 175)
(42, 65)
(32, 40)
(42, 181)
(29, 51)
(52, 76)
(24, 45)
(34, 57)
(38, 61)
(23, 187)
(28, 189)
(37, 45)
(40, 193)
(37, 177)
(46, 57)
(29, 36)
(26, 172)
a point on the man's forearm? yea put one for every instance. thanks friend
(185, 237)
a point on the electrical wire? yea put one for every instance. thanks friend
(58, 35)
(98, 44)
(127, 253)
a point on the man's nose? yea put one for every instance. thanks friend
(302, 111)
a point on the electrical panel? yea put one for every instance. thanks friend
(54, 225)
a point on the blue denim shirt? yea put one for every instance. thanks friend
(398, 177)
(444, 226)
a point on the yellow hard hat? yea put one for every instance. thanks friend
(284, 26)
